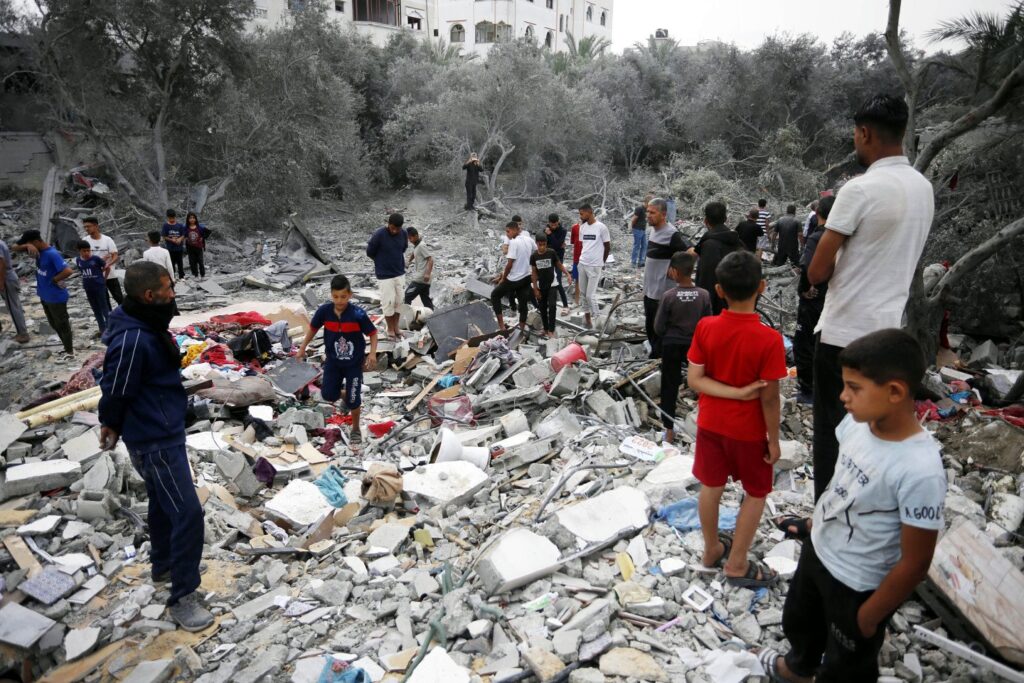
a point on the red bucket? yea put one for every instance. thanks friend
(567, 356)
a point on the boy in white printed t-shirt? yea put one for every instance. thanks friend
(874, 528)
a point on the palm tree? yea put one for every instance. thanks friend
(997, 42)
(587, 49)
(661, 50)
(446, 53)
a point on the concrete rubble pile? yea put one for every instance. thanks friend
(505, 519)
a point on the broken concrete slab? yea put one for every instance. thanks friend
(632, 663)
(10, 429)
(668, 481)
(444, 482)
(80, 641)
(544, 665)
(235, 468)
(83, 448)
(606, 516)
(388, 537)
(299, 504)
(517, 558)
(154, 671)
(439, 667)
(43, 525)
(22, 627)
(257, 606)
(33, 477)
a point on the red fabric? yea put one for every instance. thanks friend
(246, 318)
(736, 349)
(718, 457)
(218, 354)
(83, 379)
(339, 419)
(1014, 415)
(577, 245)
(335, 326)
(381, 428)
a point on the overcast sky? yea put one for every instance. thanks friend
(747, 22)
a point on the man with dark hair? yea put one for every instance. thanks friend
(174, 239)
(472, 169)
(808, 310)
(143, 402)
(103, 246)
(51, 272)
(422, 260)
(810, 222)
(718, 242)
(597, 246)
(749, 231)
(665, 241)
(387, 247)
(764, 218)
(787, 243)
(557, 234)
(880, 221)
(514, 280)
(10, 292)
(638, 222)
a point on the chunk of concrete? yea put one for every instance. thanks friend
(83, 448)
(93, 505)
(559, 422)
(235, 467)
(439, 667)
(566, 382)
(80, 641)
(517, 558)
(984, 355)
(514, 422)
(606, 516)
(444, 482)
(38, 476)
(10, 429)
(389, 537)
(793, 454)
(22, 627)
(153, 671)
(631, 663)
(43, 525)
(299, 504)
(259, 605)
(101, 474)
(544, 665)
(668, 481)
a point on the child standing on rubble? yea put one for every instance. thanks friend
(679, 311)
(736, 363)
(94, 281)
(545, 263)
(345, 328)
(875, 526)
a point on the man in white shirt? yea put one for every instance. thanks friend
(157, 254)
(873, 240)
(104, 247)
(597, 246)
(515, 277)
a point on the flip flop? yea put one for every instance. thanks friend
(751, 580)
(786, 524)
(769, 660)
(727, 544)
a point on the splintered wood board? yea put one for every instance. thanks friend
(983, 586)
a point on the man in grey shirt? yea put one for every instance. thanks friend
(422, 260)
(10, 289)
(788, 230)
(663, 242)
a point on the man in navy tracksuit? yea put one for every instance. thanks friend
(144, 402)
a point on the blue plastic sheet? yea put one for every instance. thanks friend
(337, 671)
(448, 381)
(683, 516)
(332, 484)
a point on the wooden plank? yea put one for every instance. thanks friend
(411, 405)
(983, 586)
(637, 374)
(22, 555)
(15, 518)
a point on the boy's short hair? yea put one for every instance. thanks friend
(885, 114)
(511, 225)
(412, 232)
(171, 213)
(82, 244)
(739, 274)
(825, 206)
(90, 219)
(683, 262)
(552, 218)
(752, 214)
(516, 218)
(340, 283)
(586, 207)
(153, 236)
(715, 213)
(541, 237)
(396, 219)
(762, 203)
(886, 355)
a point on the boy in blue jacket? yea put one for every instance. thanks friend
(143, 401)
(94, 281)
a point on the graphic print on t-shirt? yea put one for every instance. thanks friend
(838, 501)
(344, 350)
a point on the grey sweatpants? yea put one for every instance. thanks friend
(12, 299)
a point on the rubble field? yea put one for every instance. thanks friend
(511, 514)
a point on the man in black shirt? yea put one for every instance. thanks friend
(557, 235)
(715, 245)
(809, 308)
(788, 230)
(544, 264)
(749, 231)
(472, 169)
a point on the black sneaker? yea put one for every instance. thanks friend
(190, 614)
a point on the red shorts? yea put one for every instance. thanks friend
(718, 457)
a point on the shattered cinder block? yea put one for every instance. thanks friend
(38, 476)
(235, 468)
(444, 482)
(484, 373)
(298, 504)
(514, 422)
(93, 505)
(605, 408)
(511, 399)
(603, 517)
(559, 422)
(516, 559)
(566, 382)
(531, 375)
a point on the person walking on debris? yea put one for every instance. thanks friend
(749, 232)
(545, 263)
(514, 280)
(422, 261)
(811, 299)
(880, 220)
(143, 401)
(472, 169)
(345, 328)
(51, 271)
(679, 311)
(736, 363)
(387, 247)
(638, 222)
(103, 246)
(174, 239)
(665, 242)
(787, 231)
(557, 234)
(157, 254)
(195, 244)
(10, 292)
(596, 248)
(764, 217)
(718, 242)
(810, 223)
(874, 528)
(577, 249)
(94, 277)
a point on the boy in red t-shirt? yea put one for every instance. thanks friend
(736, 363)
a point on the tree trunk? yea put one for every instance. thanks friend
(924, 317)
(492, 179)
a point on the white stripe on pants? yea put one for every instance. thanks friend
(590, 278)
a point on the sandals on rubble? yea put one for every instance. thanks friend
(758, 576)
(793, 527)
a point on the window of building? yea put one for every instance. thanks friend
(486, 32)
(561, 23)
(378, 11)
(339, 5)
(413, 23)
(604, 18)
(529, 32)
(296, 5)
(590, 13)
(260, 12)
(550, 4)
(457, 34)
(549, 40)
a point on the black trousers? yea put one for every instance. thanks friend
(195, 261)
(673, 359)
(519, 289)
(820, 618)
(828, 413)
(114, 287)
(178, 263)
(807, 313)
(57, 316)
(548, 305)
(470, 195)
(650, 311)
(421, 290)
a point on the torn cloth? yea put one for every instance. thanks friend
(381, 484)
(682, 515)
(332, 484)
